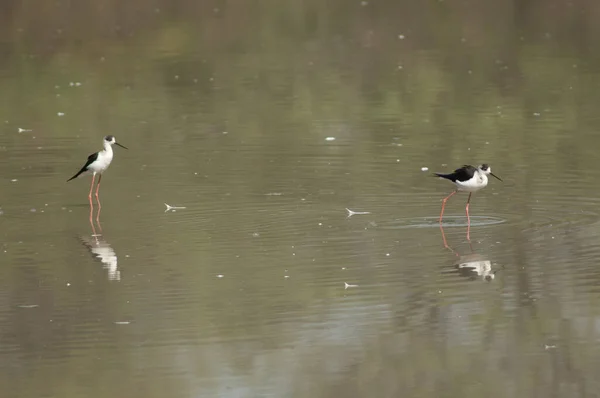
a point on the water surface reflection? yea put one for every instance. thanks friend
(101, 249)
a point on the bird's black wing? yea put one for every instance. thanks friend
(91, 159)
(462, 174)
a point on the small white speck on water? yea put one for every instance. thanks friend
(343, 267)
(401, 37)
(176, 77)
(33, 210)
(347, 285)
(255, 235)
(330, 139)
(387, 254)
(220, 276)
(364, 3)
(397, 160)
(23, 130)
(286, 276)
(60, 113)
(68, 284)
(400, 67)
(14, 180)
(122, 322)
(536, 114)
(320, 224)
(424, 168)
(127, 256)
(225, 132)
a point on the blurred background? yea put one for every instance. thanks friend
(266, 121)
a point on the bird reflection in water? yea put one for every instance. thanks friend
(101, 249)
(471, 265)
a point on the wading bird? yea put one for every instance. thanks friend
(98, 163)
(469, 179)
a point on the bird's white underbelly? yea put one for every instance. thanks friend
(473, 185)
(101, 164)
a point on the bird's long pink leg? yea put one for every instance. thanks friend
(98, 200)
(91, 189)
(468, 219)
(97, 188)
(444, 205)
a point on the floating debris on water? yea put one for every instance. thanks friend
(173, 208)
(122, 322)
(220, 276)
(28, 306)
(20, 130)
(330, 139)
(424, 168)
(352, 212)
(60, 113)
(347, 285)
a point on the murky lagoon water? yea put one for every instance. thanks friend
(265, 123)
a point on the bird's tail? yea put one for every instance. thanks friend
(441, 175)
(77, 175)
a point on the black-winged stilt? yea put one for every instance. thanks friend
(98, 163)
(469, 179)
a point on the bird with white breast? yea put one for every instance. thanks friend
(468, 179)
(97, 163)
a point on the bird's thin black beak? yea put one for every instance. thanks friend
(123, 146)
(496, 176)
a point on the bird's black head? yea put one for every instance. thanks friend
(111, 140)
(487, 170)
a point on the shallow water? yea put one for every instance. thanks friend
(265, 124)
